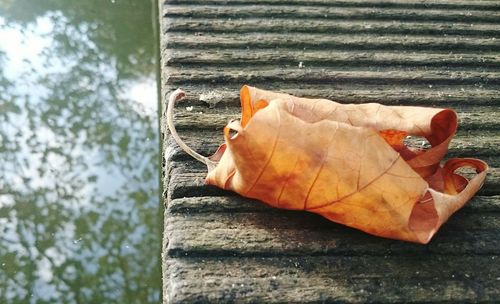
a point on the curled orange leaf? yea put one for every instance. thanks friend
(345, 162)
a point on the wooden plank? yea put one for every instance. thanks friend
(237, 204)
(187, 180)
(277, 74)
(329, 12)
(327, 58)
(470, 118)
(320, 41)
(467, 144)
(183, 163)
(344, 279)
(390, 94)
(283, 25)
(281, 232)
(428, 4)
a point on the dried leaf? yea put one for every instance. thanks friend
(345, 162)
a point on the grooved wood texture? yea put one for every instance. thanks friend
(219, 247)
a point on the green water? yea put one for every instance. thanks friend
(79, 165)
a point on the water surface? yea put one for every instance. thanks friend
(79, 184)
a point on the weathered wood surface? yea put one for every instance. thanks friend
(201, 25)
(287, 58)
(219, 247)
(415, 94)
(421, 278)
(443, 4)
(332, 12)
(326, 41)
(199, 117)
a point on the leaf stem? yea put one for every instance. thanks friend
(174, 96)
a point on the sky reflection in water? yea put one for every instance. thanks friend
(79, 186)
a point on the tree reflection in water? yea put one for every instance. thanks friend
(79, 186)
